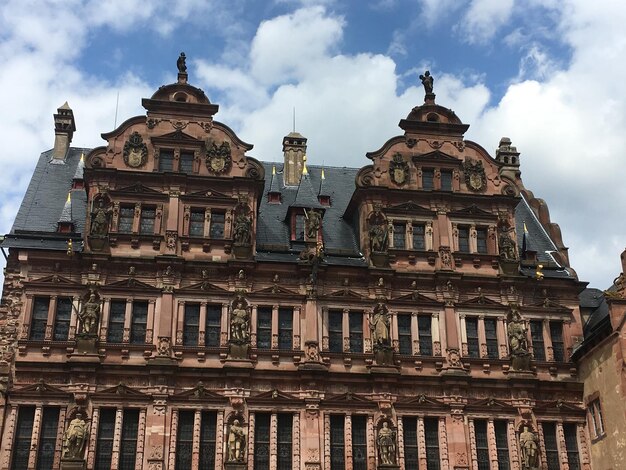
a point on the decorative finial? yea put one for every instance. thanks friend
(538, 274)
(180, 63)
(70, 249)
(82, 157)
(273, 169)
(323, 176)
(304, 169)
(69, 198)
(427, 81)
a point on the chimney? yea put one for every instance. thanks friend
(508, 156)
(64, 127)
(294, 149)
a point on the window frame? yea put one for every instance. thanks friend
(124, 219)
(196, 223)
(214, 232)
(39, 321)
(473, 346)
(405, 339)
(424, 339)
(596, 420)
(538, 341)
(264, 331)
(62, 335)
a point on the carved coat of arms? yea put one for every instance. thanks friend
(218, 158)
(475, 177)
(135, 151)
(398, 170)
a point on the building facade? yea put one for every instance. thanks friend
(173, 303)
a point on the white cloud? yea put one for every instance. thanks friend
(483, 18)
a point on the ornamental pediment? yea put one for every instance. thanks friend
(472, 211)
(276, 290)
(416, 297)
(199, 392)
(130, 282)
(481, 301)
(208, 193)
(409, 207)
(436, 156)
(349, 399)
(40, 389)
(343, 294)
(490, 404)
(121, 391)
(204, 286)
(420, 401)
(53, 279)
(558, 406)
(177, 136)
(138, 188)
(273, 396)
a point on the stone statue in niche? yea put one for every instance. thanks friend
(243, 229)
(379, 238)
(313, 221)
(379, 324)
(518, 344)
(529, 449)
(181, 63)
(240, 321)
(90, 314)
(100, 219)
(75, 437)
(427, 80)
(236, 442)
(506, 244)
(386, 442)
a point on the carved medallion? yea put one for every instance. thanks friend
(475, 177)
(398, 170)
(135, 151)
(218, 159)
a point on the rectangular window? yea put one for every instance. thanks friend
(404, 334)
(62, 319)
(427, 178)
(418, 237)
(285, 328)
(595, 418)
(446, 181)
(184, 440)
(481, 240)
(117, 315)
(571, 446)
(409, 425)
(556, 334)
(399, 236)
(335, 331)
(337, 443)
(431, 431)
(491, 338)
(424, 325)
(47, 438)
(463, 239)
(39, 318)
(196, 223)
(536, 333)
(359, 442)
(191, 324)
(23, 435)
(186, 162)
(264, 328)
(262, 441)
(298, 232)
(127, 216)
(471, 329)
(208, 426)
(146, 223)
(284, 444)
(502, 444)
(552, 450)
(482, 446)
(355, 320)
(139, 322)
(217, 225)
(128, 443)
(213, 326)
(166, 160)
(104, 443)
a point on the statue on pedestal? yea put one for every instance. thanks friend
(236, 442)
(89, 315)
(386, 445)
(75, 438)
(529, 449)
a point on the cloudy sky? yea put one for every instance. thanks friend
(549, 74)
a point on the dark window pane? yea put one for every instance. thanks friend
(217, 225)
(491, 338)
(471, 328)
(556, 334)
(139, 322)
(62, 319)
(481, 240)
(104, 444)
(146, 224)
(482, 448)
(191, 324)
(166, 160)
(186, 162)
(39, 319)
(418, 237)
(356, 332)
(359, 442)
(213, 326)
(125, 223)
(427, 178)
(184, 440)
(285, 328)
(264, 328)
(552, 451)
(207, 440)
(399, 236)
(284, 444)
(23, 434)
(425, 336)
(196, 223)
(409, 425)
(262, 441)
(571, 445)
(335, 331)
(536, 332)
(337, 443)
(431, 430)
(463, 239)
(128, 443)
(47, 438)
(446, 181)
(299, 228)
(117, 314)
(404, 334)
(502, 444)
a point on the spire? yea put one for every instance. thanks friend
(65, 223)
(80, 168)
(305, 196)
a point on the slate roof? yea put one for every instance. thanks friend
(598, 325)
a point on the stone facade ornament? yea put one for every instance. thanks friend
(399, 170)
(135, 151)
(181, 63)
(89, 314)
(312, 224)
(475, 177)
(428, 81)
(218, 159)
(236, 443)
(379, 324)
(529, 448)
(75, 438)
(378, 232)
(100, 217)
(386, 443)
(518, 344)
(239, 328)
(242, 230)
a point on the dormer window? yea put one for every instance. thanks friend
(324, 200)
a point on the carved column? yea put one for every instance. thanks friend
(219, 440)
(52, 307)
(104, 321)
(491, 441)
(58, 448)
(74, 318)
(127, 320)
(548, 340)
(421, 443)
(273, 440)
(415, 338)
(512, 438)
(9, 437)
(173, 435)
(224, 326)
(195, 446)
(251, 441)
(348, 440)
(400, 442)
(150, 320)
(584, 448)
(326, 442)
(502, 338)
(473, 244)
(141, 438)
(371, 443)
(91, 448)
(346, 330)
(472, 432)
(117, 438)
(437, 346)
(482, 339)
(464, 350)
(180, 322)
(443, 444)
(542, 446)
(560, 438)
(274, 326)
(34, 440)
(296, 440)
(253, 323)
(297, 335)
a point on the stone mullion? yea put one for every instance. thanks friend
(34, 439)
(297, 329)
(443, 444)
(542, 446)
(93, 436)
(474, 452)
(434, 329)
(202, 325)
(491, 442)
(274, 326)
(250, 441)
(371, 442)
(179, 321)
(173, 435)
(348, 440)
(502, 338)
(127, 320)
(584, 448)
(150, 321)
(421, 443)
(547, 340)
(473, 241)
(324, 329)
(52, 307)
(345, 326)
(219, 440)
(195, 446)
(74, 319)
(400, 442)
(415, 335)
(482, 337)
(326, 441)
(28, 316)
(394, 334)
(296, 440)
(117, 438)
(273, 440)
(253, 324)
(561, 446)
(104, 322)
(513, 453)
(141, 438)
(224, 326)
(9, 437)
(58, 448)
(464, 350)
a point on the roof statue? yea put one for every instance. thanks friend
(427, 80)
(181, 64)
